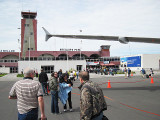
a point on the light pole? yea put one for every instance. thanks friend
(29, 40)
(67, 54)
(19, 45)
(80, 49)
(29, 49)
(19, 48)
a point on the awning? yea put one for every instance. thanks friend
(92, 63)
(110, 64)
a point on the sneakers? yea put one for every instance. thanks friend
(65, 110)
(58, 113)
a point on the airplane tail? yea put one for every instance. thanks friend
(48, 35)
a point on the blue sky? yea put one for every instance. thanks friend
(133, 18)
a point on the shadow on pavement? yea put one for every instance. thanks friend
(76, 109)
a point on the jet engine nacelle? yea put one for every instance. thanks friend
(123, 40)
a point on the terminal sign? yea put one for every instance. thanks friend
(7, 50)
(64, 49)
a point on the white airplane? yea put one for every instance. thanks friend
(124, 40)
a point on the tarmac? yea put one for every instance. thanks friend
(133, 98)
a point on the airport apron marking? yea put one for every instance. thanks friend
(123, 103)
(127, 106)
(140, 109)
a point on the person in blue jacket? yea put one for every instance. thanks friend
(143, 72)
(65, 91)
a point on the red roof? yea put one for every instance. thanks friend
(3, 54)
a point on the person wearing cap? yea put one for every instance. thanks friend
(28, 94)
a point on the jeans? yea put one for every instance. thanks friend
(54, 102)
(31, 115)
(99, 117)
(44, 87)
(69, 101)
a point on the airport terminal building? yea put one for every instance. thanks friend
(65, 59)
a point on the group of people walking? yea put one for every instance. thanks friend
(60, 86)
(29, 94)
(127, 71)
(64, 92)
(103, 70)
(143, 72)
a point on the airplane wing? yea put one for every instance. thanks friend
(88, 37)
(144, 40)
(112, 38)
(124, 40)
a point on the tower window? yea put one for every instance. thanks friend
(25, 41)
(30, 48)
(31, 33)
(26, 25)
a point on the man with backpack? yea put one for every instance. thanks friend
(143, 72)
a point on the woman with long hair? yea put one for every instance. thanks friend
(65, 91)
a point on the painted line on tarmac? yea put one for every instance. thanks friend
(128, 106)
(140, 109)
(108, 98)
(76, 93)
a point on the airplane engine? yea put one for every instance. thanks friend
(123, 40)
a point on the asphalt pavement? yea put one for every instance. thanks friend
(133, 98)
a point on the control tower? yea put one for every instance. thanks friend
(105, 51)
(28, 32)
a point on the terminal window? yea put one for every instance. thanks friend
(48, 69)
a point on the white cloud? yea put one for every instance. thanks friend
(135, 18)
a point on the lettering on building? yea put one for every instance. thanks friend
(64, 49)
(7, 50)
